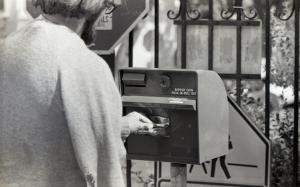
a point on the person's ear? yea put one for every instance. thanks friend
(117, 2)
(32, 10)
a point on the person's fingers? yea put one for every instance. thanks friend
(140, 117)
(147, 125)
(144, 119)
(139, 122)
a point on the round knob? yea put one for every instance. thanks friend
(165, 81)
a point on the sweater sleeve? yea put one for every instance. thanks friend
(93, 111)
(125, 129)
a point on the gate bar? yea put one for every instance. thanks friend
(296, 94)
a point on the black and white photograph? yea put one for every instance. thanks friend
(149, 93)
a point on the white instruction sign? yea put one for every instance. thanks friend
(105, 22)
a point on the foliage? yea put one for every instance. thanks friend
(142, 174)
(281, 135)
(281, 121)
(283, 46)
(146, 181)
(282, 71)
(282, 147)
(255, 109)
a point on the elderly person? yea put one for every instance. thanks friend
(60, 112)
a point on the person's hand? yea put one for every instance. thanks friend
(138, 121)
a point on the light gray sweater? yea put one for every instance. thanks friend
(60, 112)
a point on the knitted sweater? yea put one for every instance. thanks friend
(60, 112)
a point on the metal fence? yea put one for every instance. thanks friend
(238, 17)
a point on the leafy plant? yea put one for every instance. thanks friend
(281, 136)
(282, 147)
(144, 181)
(283, 46)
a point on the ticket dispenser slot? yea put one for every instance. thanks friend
(134, 79)
(170, 98)
(160, 127)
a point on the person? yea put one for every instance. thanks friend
(60, 110)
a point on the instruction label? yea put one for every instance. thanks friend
(184, 92)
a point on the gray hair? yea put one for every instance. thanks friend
(72, 8)
(89, 9)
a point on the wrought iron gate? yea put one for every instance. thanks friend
(238, 17)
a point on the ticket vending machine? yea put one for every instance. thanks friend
(188, 108)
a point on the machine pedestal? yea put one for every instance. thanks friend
(178, 175)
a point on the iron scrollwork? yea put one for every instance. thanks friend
(172, 15)
(227, 13)
(110, 8)
(282, 15)
(192, 14)
(249, 13)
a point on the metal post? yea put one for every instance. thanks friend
(155, 174)
(130, 64)
(130, 49)
(128, 172)
(156, 33)
(296, 94)
(183, 34)
(178, 175)
(211, 36)
(156, 59)
(268, 67)
(239, 53)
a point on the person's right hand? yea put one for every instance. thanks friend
(138, 121)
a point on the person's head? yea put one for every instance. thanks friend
(89, 10)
